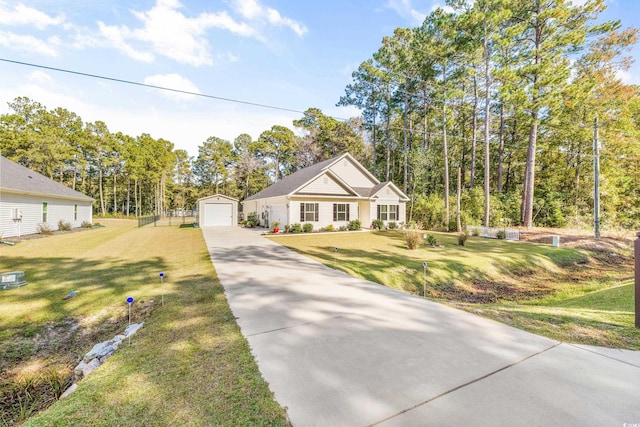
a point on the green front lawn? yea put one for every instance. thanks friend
(579, 296)
(188, 365)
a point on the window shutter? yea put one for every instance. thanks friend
(301, 212)
(397, 212)
(378, 211)
(317, 212)
(335, 211)
(347, 217)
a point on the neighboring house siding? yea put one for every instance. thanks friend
(31, 207)
(351, 174)
(324, 185)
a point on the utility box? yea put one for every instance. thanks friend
(17, 215)
(12, 280)
(555, 241)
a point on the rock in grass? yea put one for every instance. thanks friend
(98, 351)
(68, 391)
(90, 367)
(132, 329)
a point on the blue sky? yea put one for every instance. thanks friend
(293, 54)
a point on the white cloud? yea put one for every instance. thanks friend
(276, 19)
(405, 9)
(115, 37)
(628, 77)
(39, 76)
(173, 81)
(254, 11)
(168, 32)
(23, 15)
(30, 43)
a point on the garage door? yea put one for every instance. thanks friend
(218, 214)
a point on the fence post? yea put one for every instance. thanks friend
(636, 255)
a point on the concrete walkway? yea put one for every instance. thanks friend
(340, 351)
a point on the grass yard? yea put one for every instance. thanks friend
(188, 365)
(569, 294)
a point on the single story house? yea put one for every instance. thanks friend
(28, 200)
(217, 210)
(334, 191)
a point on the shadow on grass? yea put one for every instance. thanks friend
(98, 283)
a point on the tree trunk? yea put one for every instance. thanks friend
(500, 148)
(388, 136)
(458, 195)
(115, 199)
(487, 123)
(527, 202)
(102, 206)
(445, 147)
(405, 160)
(474, 131)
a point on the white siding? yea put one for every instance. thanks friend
(324, 185)
(31, 207)
(325, 213)
(387, 196)
(215, 199)
(351, 174)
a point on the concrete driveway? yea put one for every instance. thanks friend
(340, 351)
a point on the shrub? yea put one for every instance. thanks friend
(307, 227)
(86, 224)
(475, 232)
(355, 225)
(342, 228)
(252, 220)
(392, 225)
(329, 227)
(501, 235)
(44, 229)
(377, 224)
(296, 228)
(64, 226)
(431, 240)
(462, 238)
(287, 228)
(413, 237)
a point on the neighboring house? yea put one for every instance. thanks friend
(28, 199)
(334, 191)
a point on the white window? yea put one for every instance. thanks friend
(389, 212)
(341, 212)
(309, 212)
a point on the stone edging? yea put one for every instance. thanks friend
(98, 355)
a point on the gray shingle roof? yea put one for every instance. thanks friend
(370, 191)
(17, 178)
(291, 182)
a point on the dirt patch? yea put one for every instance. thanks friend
(482, 291)
(37, 360)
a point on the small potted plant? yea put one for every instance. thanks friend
(275, 225)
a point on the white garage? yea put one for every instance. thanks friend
(218, 211)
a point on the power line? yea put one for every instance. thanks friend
(130, 82)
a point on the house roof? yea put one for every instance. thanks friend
(19, 179)
(370, 191)
(294, 181)
(218, 196)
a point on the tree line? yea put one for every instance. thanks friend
(134, 176)
(504, 100)
(510, 94)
